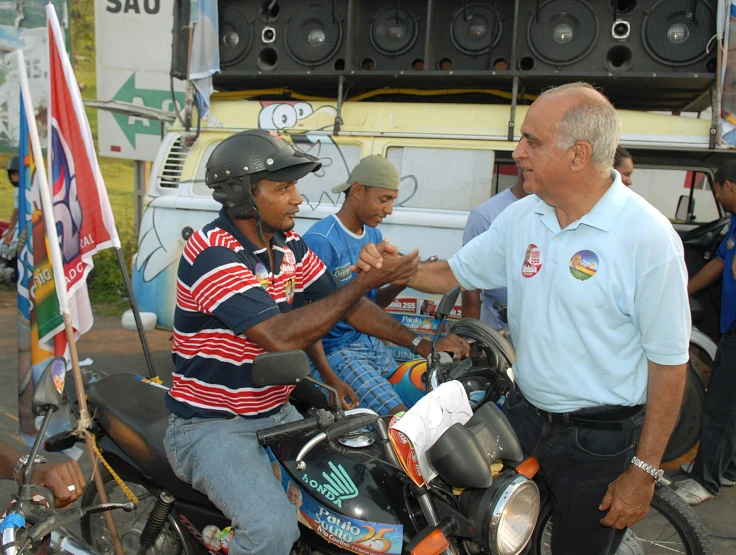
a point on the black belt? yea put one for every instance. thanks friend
(604, 417)
(608, 418)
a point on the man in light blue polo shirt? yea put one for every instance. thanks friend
(477, 304)
(598, 308)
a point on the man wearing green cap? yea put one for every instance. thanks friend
(360, 360)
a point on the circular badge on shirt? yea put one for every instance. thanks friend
(262, 275)
(730, 243)
(532, 261)
(584, 265)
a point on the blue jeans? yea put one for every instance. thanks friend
(222, 459)
(717, 452)
(576, 465)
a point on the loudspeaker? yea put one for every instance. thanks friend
(389, 35)
(466, 35)
(271, 36)
(597, 37)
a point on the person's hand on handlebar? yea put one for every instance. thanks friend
(348, 398)
(454, 344)
(64, 479)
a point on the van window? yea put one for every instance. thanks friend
(337, 162)
(664, 187)
(442, 178)
(504, 176)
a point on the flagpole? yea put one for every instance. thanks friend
(61, 292)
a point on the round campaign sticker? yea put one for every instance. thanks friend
(584, 265)
(532, 261)
(289, 286)
(262, 275)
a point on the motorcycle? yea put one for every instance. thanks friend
(30, 524)
(339, 468)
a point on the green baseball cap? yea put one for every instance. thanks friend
(372, 171)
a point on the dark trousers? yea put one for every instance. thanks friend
(576, 466)
(717, 451)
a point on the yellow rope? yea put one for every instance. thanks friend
(126, 490)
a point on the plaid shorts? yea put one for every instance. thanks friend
(365, 367)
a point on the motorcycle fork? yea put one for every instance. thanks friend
(426, 502)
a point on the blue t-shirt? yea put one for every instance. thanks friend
(479, 221)
(728, 294)
(339, 248)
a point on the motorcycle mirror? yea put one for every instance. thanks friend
(447, 303)
(50, 387)
(280, 368)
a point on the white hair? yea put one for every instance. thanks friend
(593, 120)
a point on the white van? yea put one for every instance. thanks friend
(451, 157)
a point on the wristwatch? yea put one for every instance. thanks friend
(24, 461)
(415, 344)
(655, 473)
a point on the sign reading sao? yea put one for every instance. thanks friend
(133, 63)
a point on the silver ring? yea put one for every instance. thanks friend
(71, 488)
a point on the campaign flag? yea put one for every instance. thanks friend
(84, 219)
(40, 323)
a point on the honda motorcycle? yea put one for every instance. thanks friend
(339, 468)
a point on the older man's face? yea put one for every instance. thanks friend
(543, 163)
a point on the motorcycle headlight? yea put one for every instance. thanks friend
(505, 514)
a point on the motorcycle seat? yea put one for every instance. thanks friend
(135, 417)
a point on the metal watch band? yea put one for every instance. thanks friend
(415, 344)
(24, 461)
(655, 473)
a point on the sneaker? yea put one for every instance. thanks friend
(692, 492)
(687, 468)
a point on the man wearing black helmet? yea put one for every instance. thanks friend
(247, 284)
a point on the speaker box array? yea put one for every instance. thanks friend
(380, 43)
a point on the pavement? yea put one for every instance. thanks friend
(113, 350)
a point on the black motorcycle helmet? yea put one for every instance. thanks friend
(13, 166)
(244, 159)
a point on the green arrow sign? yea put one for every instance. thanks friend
(152, 98)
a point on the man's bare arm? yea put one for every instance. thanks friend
(707, 275)
(471, 304)
(303, 326)
(630, 495)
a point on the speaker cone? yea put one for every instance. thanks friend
(476, 29)
(313, 34)
(236, 35)
(562, 32)
(394, 31)
(675, 35)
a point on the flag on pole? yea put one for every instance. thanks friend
(37, 301)
(84, 219)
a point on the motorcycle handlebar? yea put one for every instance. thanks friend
(292, 429)
(349, 424)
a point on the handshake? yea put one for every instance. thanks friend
(381, 264)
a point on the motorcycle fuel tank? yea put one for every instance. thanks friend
(354, 501)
